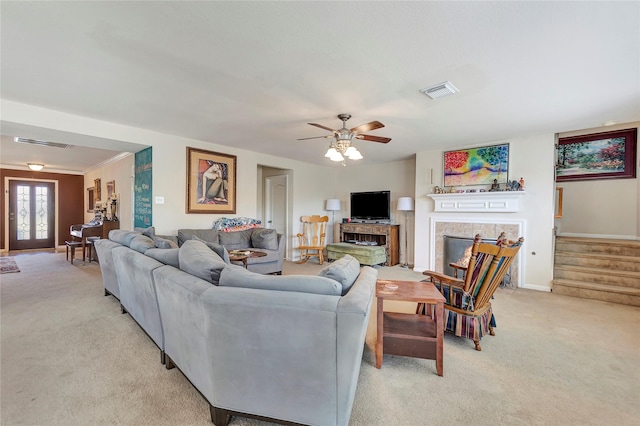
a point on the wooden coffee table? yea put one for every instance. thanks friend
(413, 335)
(243, 255)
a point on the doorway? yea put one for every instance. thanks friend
(276, 203)
(276, 196)
(31, 216)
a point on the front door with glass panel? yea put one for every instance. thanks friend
(31, 215)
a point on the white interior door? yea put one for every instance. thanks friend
(276, 203)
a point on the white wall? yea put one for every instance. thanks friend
(122, 173)
(532, 158)
(397, 177)
(601, 208)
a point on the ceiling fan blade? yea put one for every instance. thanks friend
(373, 138)
(367, 127)
(322, 127)
(316, 137)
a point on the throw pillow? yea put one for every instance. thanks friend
(236, 240)
(122, 236)
(163, 243)
(240, 277)
(344, 270)
(166, 256)
(149, 232)
(197, 259)
(141, 243)
(264, 238)
(217, 248)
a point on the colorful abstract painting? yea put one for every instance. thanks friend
(476, 166)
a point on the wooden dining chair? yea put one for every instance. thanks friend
(312, 240)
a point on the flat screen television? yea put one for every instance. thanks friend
(373, 206)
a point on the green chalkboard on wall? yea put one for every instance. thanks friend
(142, 208)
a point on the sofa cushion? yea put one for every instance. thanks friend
(264, 238)
(236, 240)
(219, 249)
(166, 256)
(122, 236)
(240, 277)
(197, 259)
(344, 270)
(210, 235)
(141, 243)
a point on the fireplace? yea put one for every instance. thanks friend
(458, 250)
(453, 236)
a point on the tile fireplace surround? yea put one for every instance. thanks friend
(487, 228)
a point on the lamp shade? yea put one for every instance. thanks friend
(405, 203)
(333, 204)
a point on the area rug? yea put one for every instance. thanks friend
(8, 265)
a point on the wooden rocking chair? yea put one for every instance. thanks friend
(468, 311)
(312, 240)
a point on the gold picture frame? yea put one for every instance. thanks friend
(97, 190)
(211, 182)
(111, 189)
(558, 204)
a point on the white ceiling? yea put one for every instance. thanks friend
(252, 74)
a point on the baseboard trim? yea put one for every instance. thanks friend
(601, 236)
(536, 287)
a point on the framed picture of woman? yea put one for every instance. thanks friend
(211, 182)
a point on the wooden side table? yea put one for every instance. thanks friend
(413, 335)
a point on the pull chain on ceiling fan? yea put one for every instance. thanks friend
(342, 147)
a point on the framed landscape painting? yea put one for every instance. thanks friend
(476, 166)
(211, 182)
(607, 155)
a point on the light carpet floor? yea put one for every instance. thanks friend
(68, 357)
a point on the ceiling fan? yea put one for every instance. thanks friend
(343, 137)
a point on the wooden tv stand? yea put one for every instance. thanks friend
(386, 236)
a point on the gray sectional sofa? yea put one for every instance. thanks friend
(280, 348)
(261, 239)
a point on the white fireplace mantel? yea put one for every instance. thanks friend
(478, 202)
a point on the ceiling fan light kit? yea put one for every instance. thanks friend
(342, 147)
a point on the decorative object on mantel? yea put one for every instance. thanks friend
(607, 155)
(476, 166)
(487, 202)
(513, 185)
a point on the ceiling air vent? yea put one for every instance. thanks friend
(440, 90)
(43, 143)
